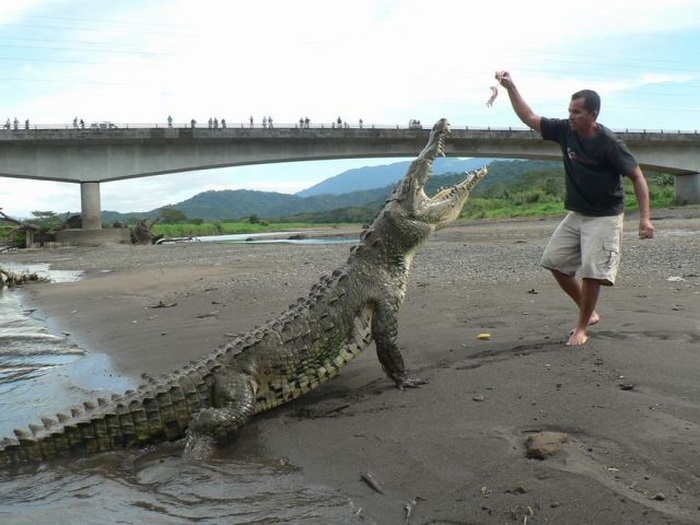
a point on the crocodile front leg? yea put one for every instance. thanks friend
(385, 331)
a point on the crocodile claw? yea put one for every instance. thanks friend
(406, 381)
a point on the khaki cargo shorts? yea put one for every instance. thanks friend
(588, 245)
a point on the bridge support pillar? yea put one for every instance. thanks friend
(92, 234)
(91, 211)
(687, 188)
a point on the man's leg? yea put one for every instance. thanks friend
(585, 295)
(600, 257)
(590, 290)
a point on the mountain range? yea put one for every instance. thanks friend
(358, 187)
(368, 178)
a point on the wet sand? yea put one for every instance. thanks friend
(453, 451)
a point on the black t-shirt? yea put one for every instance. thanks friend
(594, 168)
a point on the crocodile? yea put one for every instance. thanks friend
(209, 400)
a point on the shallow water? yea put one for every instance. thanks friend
(42, 373)
(156, 488)
(276, 237)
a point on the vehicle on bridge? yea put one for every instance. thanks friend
(103, 125)
(414, 124)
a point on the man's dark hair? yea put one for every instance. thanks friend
(591, 100)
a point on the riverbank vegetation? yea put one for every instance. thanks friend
(203, 229)
(536, 194)
(542, 194)
(512, 189)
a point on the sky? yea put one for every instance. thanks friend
(382, 61)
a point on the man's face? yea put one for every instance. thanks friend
(579, 117)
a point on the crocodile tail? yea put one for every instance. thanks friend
(154, 413)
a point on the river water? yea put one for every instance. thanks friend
(41, 373)
(301, 237)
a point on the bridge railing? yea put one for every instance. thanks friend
(230, 125)
(104, 125)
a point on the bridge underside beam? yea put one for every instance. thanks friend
(687, 189)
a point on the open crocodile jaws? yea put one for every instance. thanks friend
(288, 356)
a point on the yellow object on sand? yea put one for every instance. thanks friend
(484, 336)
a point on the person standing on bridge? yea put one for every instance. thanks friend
(588, 238)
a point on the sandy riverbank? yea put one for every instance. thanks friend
(454, 450)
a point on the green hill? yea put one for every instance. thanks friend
(240, 204)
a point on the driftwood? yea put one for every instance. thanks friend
(7, 218)
(141, 233)
(29, 229)
(10, 279)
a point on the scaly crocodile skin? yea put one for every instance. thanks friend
(288, 356)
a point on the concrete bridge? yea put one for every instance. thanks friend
(100, 154)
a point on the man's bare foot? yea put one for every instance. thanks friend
(595, 319)
(577, 338)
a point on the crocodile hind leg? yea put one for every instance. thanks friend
(233, 405)
(385, 332)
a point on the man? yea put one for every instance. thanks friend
(588, 238)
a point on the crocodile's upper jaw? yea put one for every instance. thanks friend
(444, 207)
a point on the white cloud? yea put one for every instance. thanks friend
(19, 198)
(13, 11)
(384, 61)
(660, 78)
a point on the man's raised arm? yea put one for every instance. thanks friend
(521, 108)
